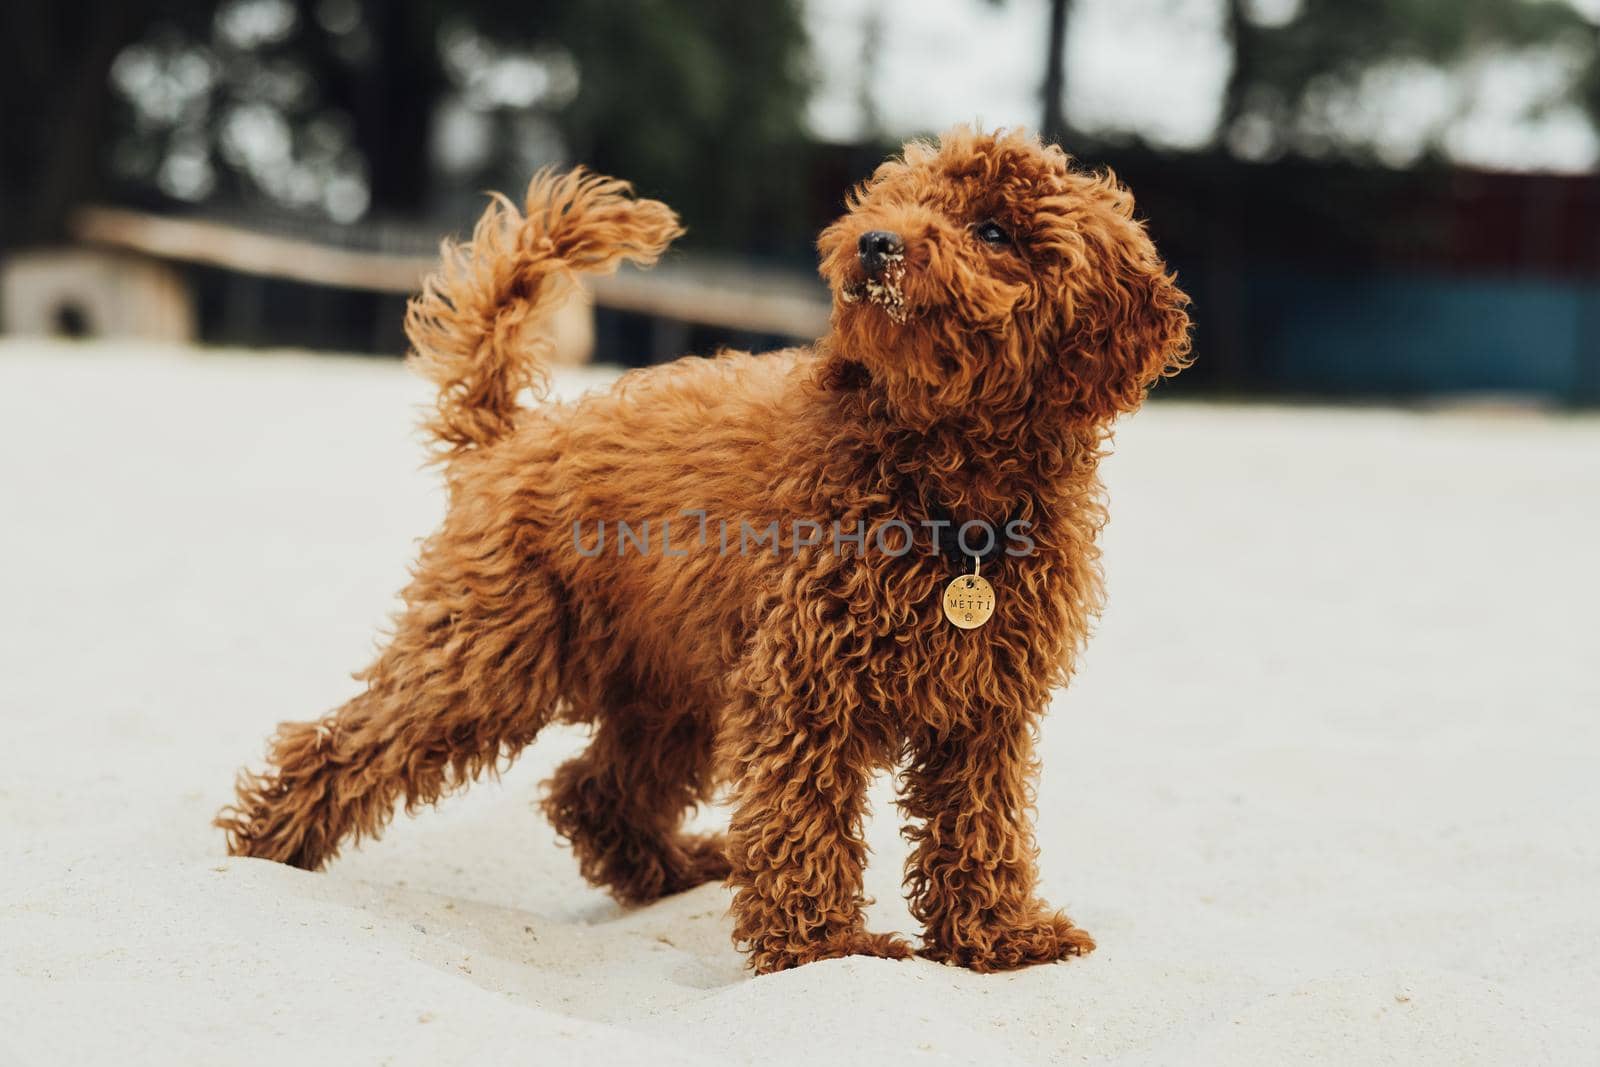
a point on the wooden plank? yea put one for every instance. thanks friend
(781, 305)
(217, 244)
(671, 292)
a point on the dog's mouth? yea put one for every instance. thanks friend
(885, 289)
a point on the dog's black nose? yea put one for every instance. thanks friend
(877, 247)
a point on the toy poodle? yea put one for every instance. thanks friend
(772, 574)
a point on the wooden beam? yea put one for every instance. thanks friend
(780, 305)
(216, 244)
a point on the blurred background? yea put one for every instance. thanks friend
(1387, 199)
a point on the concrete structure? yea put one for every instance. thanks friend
(82, 292)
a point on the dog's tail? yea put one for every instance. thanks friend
(468, 327)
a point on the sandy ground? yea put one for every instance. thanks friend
(1326, 788)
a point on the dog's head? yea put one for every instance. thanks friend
(984, 271)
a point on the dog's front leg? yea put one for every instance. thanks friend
(972, 870)
(801, 749)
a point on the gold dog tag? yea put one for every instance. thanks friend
(969, 600)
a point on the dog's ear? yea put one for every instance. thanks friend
(1126, 324)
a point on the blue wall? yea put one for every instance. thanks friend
(1416, 333)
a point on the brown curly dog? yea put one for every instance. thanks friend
(994, 311)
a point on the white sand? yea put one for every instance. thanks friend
(1326, 788)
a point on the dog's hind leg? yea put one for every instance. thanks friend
(471, 673)
(621, 803)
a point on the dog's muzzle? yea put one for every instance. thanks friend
(877, 249)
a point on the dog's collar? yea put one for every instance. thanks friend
(946, 533)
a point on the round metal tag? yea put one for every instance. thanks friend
(969, 601)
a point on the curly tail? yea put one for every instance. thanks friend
(468, 325)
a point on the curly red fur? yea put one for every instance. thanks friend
(985, 388)
(467, 326)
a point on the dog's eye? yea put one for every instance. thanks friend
(990, 233)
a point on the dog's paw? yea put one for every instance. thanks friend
(646, 875)
(1049, 938)
(704, 859)
(848, 943)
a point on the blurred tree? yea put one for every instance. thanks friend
(1053, 93)
(700, 102)
(868, 63)
(1301, 68)
(1054, 125)
(332, 106)
(54, 56)
(378, 63)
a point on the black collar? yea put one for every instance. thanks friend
(984, 542)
